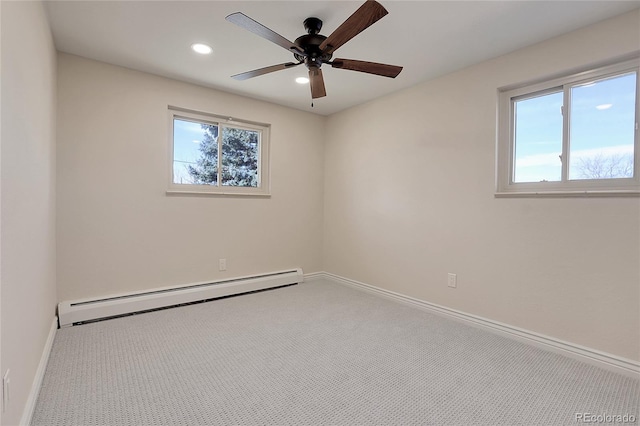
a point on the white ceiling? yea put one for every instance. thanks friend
(428, 38)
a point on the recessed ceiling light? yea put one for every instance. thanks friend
(201, 48)
(302, 80)
(604, 106)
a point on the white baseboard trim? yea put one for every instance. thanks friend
(30, 406)
(595, 357)
(314, 276)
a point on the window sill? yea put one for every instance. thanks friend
(568, 194)
(178, 193)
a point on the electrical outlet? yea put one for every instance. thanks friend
(453, 280)
(5, 390)
(222, 264)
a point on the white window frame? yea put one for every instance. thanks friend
(505, 164)
(263, 188)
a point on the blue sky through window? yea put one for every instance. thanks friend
(602, 124)
(187, 136)
(538, 135)
(601, 141)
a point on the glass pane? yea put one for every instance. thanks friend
(602, 128)
(538, 138)
(195, 153)
(240, 157)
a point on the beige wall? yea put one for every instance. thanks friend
(409, 197)
(401, 189)
(117, 229)
(28, 195)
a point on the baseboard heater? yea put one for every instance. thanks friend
(78, 311)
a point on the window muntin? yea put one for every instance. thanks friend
(571, 135)
(212, 154)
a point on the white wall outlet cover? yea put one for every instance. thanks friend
(452, 280)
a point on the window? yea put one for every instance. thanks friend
(217, 155)
(576, 135)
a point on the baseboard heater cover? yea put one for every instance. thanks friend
(77, 311)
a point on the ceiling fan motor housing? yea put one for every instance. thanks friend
(310, 44)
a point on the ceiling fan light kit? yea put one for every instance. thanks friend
(314, 49)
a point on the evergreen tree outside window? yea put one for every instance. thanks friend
(239, 157)
(211, 154)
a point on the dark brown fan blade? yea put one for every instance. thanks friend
(317, 83)
(265, 70)
(257, 28)
(368, 67)
(370, 12)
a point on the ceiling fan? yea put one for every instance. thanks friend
(313, 49)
